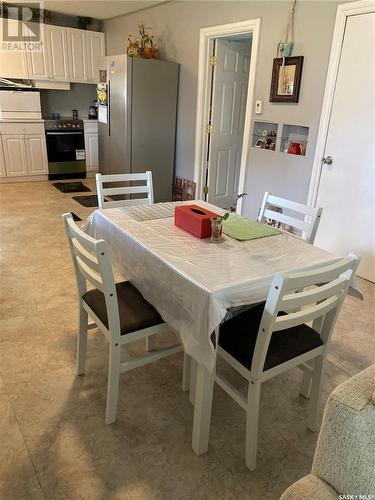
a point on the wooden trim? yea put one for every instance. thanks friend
(205, 37)
(343, 12)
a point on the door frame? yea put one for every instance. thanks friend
(206, 35)
(343, 12)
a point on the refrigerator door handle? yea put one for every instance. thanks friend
(109, 107)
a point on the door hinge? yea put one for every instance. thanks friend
(213, 60)
(209, 129)
(205, 190)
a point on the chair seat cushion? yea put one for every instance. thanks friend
(238, 336)
(135, 312)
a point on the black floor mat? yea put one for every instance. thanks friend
(76, 218)
(71, 187)
(87, 201)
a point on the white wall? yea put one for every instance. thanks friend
(177, 24)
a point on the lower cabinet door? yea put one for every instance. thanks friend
(15, 155)
(2, 160)
(36, 155)
(92, 151)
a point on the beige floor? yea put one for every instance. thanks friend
(54, 443)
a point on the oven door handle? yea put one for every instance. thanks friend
(64, 133)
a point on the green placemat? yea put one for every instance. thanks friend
(243, 229)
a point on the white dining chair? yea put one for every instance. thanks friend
(145, 189)
(118, 309)
(307, 225)
(273, 337)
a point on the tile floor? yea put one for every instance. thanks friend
(54, 443)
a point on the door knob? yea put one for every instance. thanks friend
(327, 160)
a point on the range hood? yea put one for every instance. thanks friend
(32, 85)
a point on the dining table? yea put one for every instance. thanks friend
(193, 282)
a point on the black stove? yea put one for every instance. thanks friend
(65, 148)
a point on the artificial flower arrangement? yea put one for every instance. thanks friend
(142, 45)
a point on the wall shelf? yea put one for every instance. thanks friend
(294, 139)
(265, 135)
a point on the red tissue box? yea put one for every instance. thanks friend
(194, 219)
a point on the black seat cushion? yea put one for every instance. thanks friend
(238, 336)
(135, 312)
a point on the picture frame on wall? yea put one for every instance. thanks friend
(286, 79)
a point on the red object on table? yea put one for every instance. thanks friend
(294, 149)
(194, 219)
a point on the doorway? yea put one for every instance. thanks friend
(230, 63)
(343, 177)
(226, 76)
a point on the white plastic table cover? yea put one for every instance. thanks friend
(192, 282)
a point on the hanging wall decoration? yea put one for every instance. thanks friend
(143, 44)
(287, 71)
(286, 79)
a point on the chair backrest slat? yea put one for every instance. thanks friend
(146, 189)
(289, 304)
(308, 223)
(84, 255)
(304, 315)
(91, 264)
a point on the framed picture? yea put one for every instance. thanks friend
(286, 79)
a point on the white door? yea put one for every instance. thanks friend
(13, 64)
(94, 50)
(2, 161)
(346, 190)
(15, 155)
(38, 63)
(77, 59)
(230, 84)
(92, 151)
(36, 152)
(55, 39)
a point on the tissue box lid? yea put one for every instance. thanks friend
(194, 219)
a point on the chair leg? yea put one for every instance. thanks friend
(252, 419)
(113, 382)
(193, 380)
(306, 381)
(186, 373)
(316, 386)
(150, 343)
(82, 341)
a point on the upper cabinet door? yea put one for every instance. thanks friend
(38, 63)
(78, 64)
(55, 39)
(13, 63)
(94, 50)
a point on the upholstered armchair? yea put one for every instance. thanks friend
(344, 461)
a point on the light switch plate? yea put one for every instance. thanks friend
(258, 107)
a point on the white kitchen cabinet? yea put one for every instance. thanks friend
(57, 52)
(94, 50)
(2, 160)
(24, 147)
(38, 62)
(36, 153)
(91, 145)
(13, 64)
(15, 155)
(78, 64)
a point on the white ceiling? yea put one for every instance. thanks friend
(99, 9)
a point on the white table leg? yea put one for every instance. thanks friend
(202, 409)
(193, 380)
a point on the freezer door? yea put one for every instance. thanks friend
(103, 127)
(153, 118)
(119, 130)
